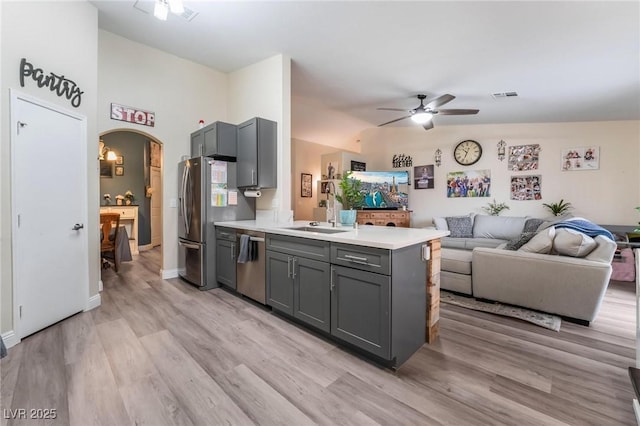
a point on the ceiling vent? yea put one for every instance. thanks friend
(500, 95)
(147, 7)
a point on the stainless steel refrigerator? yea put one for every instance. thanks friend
(207, 193)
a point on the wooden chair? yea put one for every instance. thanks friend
(108, 243)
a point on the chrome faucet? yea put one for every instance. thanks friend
(331, 192)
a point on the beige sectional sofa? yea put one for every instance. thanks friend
(559, 271)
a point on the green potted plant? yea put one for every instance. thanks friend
(558, 209)
(351, 198)
(494, 208)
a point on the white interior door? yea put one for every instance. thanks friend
(49, 206)
(156, 206)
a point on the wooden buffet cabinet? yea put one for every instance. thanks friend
(128, 219)
(399, 218)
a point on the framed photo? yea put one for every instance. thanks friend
(119, 170)
(358, 166)
(106, 169)
(472, 183)
(324, 187)
(524, 157)
(526, 187)
(582, 158)
(423, 177)
(119, 160)
(306, 189)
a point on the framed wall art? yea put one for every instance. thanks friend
(119, 160)
(423, 177)
(106, 169)
(581, 158)
(306, 189)
(524, 157)
(119, 170)
(358, 166)
(526, 188)
(467, 184)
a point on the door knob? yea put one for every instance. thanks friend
(77, 226)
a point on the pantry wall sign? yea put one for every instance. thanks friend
(132, 115)
(58, 84)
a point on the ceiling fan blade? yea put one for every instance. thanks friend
(428, 125)
(391, 109)
(457, 111)
(441, 100)
(393, 121)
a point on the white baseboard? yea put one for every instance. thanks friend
(169, 273)
(145, 247)
(10, 339)
(93, 302)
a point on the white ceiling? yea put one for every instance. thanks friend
(568, 61)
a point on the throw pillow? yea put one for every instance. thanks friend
(573, 243)
(460, 226)
(531, 225)
(515, 244)
(542, 242)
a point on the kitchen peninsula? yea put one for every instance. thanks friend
(373, 289)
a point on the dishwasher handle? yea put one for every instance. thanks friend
(257, 239)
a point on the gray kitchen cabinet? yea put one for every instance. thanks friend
(279, 281)
(360, 309)
(257, 153)
(216, 139)
(226, 257)
(298, 280)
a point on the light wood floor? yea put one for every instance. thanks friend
(161, 352)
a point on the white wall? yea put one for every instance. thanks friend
(60, 37)
(606, 196)
(264, 90)
(306, 159)
(180, 93)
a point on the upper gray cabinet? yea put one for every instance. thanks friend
(257, 156)
(216, 139)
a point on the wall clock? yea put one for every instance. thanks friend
(467, 152)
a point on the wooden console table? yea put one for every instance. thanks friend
(399, 218)
(128, 219)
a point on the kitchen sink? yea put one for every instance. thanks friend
(319, 230)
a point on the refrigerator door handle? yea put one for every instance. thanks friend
(188, 202)
(183, 201)
(189, 245)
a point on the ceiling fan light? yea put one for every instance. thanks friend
(421, 117)
(176, 6)
(161, 10)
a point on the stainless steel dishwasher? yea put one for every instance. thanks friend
(250, 275)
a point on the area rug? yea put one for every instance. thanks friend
(552, 322)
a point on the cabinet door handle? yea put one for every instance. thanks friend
(253, 179)
(293, 267)
(332, 283)
(233, 251)
(288, 266)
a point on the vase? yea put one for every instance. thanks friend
(347, 217)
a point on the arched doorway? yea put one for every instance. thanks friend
(138, 169)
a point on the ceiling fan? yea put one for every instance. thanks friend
(423, 114)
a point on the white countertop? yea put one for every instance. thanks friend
(387, 237)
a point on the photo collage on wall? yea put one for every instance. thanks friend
(524, 157)
(583, 158)
(526, 187)
(468, 184)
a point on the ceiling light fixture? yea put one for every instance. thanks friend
(161, 10)
(176, 6)
(421, 117)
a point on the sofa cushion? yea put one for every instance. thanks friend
(573, 243)
(440, 223)
(457, 243)
(503, 228)
(458, 261)
(460, 226)
(472, 243)
(542, 242)
(532, 225)
(516, 243)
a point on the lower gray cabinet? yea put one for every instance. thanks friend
(312, 292)
(279, 281)
(360, 309)
(226, 263)
(299, 287)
